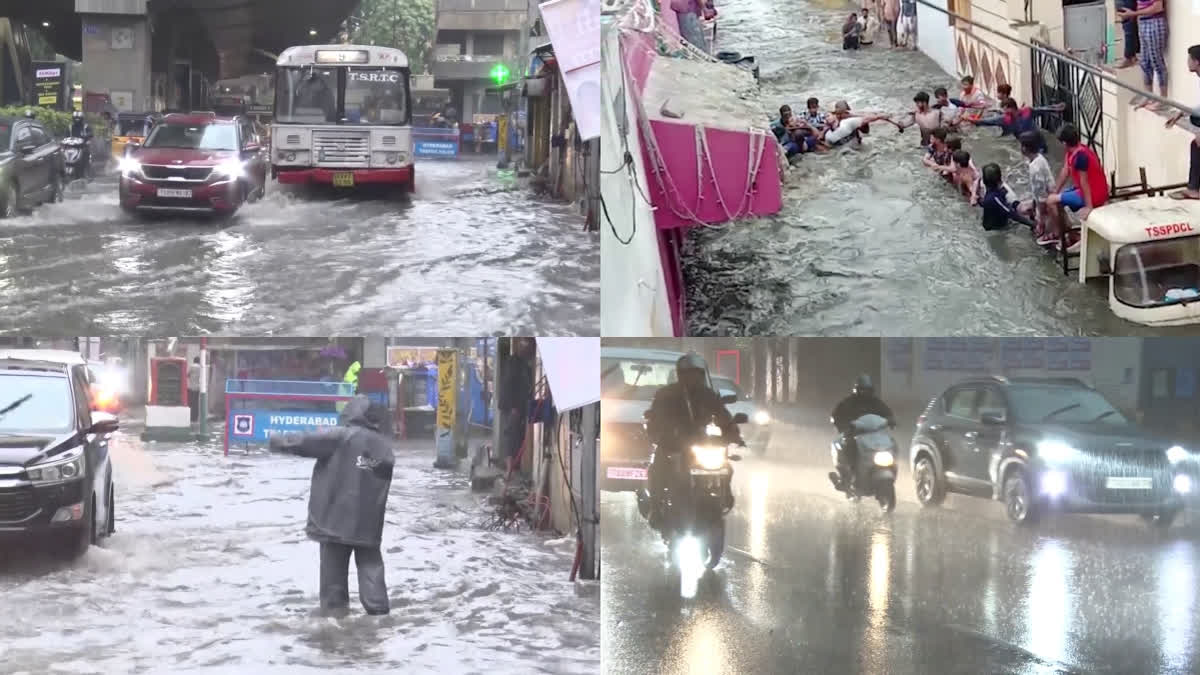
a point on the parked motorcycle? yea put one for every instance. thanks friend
(696, 495)
(76, 158)
(875, 473)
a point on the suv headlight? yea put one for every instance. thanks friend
(1055, 451)
(65, 467)
(710, 457)
(129, 167)
(1176, 454)
(231, 168)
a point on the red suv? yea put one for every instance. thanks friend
(195, 162)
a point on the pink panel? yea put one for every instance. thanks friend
(731, 161)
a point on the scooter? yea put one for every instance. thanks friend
(76, 158)
(697, 497)
(875, 475)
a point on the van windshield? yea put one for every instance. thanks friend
(1157, 273)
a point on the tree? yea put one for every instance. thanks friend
(404, 24)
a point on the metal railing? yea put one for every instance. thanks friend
(1058, 78)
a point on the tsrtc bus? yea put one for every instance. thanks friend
(343, 116)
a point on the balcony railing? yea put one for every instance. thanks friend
(482, 5)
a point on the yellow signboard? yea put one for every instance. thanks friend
(447, 361)
(502, 133)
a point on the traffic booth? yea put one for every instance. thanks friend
(255, 410)
(168, 417)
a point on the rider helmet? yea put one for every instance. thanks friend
(863, 385)
(691, 370)
(77, 115)
(29, 113)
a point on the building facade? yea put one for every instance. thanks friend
(1127, 139)
(472, 38)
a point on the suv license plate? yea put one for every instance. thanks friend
(174, 194)
(1126, 483)
(343, 179)
(626, 473)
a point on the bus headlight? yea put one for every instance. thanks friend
(393, 157)
(710, 457)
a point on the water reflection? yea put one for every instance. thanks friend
(706, 650)
(879, 574)
(1176, 604)
(760, 604)
(1049, 606)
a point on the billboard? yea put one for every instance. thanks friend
(50, 85)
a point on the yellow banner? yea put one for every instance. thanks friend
(502, 133)
(447, 360)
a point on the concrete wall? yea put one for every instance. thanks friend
(935, 36)
(1114, 369)
(116, 57)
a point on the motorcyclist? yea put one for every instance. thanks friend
(679, 411)
(29, 114)
(861, 401)
(81, 129)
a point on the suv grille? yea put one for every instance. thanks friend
(342, 148)
(17, 504)
(1101, 466)
(194, 173)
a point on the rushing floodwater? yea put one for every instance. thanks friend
(470, 253)
(869, 241)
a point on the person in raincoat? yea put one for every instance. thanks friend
(351, 378)
(348, 500)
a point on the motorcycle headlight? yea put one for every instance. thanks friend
(884, 458)
(1176, 454)
(761, 417)
(710, 457)
(65, 467)
(231, 168)
(1055, 451)
(712, 430)
(129, 166)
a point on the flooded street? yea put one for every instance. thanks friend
(470, 249)
(869, 241)
(812, 583)
(210, 572)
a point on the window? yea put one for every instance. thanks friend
(46, 405)
(194, 137)
(376, 96)
(634, 379)
(306, 95)
(961, 403)
(992, 403)
(489, 44)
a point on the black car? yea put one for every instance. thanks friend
(31, 166)
(1041, 445)
(56, 478)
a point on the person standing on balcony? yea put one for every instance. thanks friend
(1193, 187)
(1151, 19)
(1130, 27)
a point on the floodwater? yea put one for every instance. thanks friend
(870, 242)
(210, 572)
(812, 583)
(470, 252)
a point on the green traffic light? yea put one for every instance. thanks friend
(500, 73)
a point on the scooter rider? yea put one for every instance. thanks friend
(81, 129)
(678, 410)
(862, 401)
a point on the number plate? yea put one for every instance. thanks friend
(174, 194)
(1126, 483)
(626, 473)
(343, 179)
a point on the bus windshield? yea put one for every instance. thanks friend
(342, 95)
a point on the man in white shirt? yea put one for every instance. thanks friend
(869, 27)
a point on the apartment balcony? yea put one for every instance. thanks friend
(481, 14)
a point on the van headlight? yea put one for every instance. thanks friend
(761, 417)
(710, 457)
(1176, 454)
(712, 430)
(65, 467)
(884, 458)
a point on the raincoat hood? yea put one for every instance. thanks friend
(363, 412)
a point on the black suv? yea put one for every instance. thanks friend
(31, 166)
(1044, 444)
(56, 477)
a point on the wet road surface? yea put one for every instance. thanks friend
(812, 583)
(210, 572)
(870, 242)
(469, 252)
